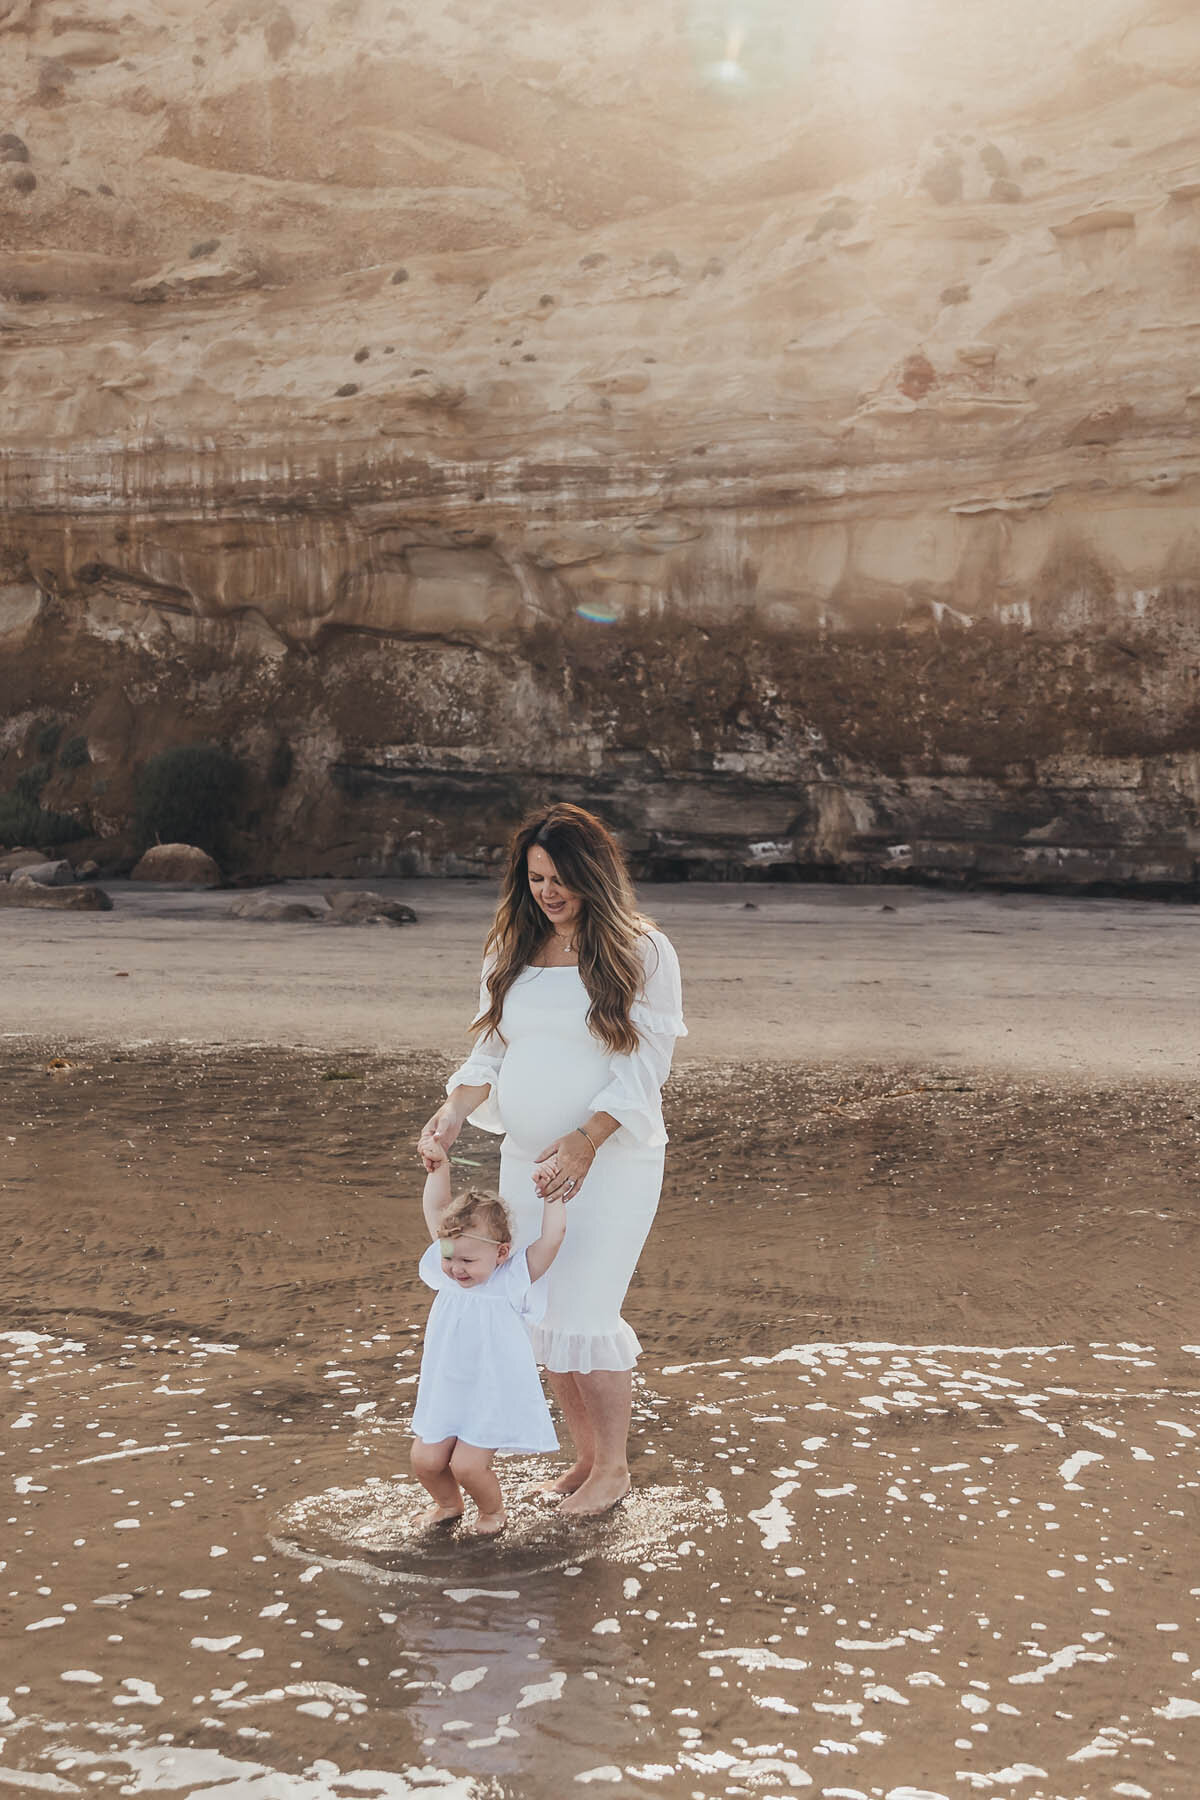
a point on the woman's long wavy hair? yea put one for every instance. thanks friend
(589, 862)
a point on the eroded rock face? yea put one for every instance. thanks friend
(785, 444)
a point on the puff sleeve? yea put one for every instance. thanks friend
(526, 1297)
(482, 1067)
(430, 1268)
(633, 1094)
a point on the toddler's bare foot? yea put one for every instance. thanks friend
(486, 1524)
(436, 1515)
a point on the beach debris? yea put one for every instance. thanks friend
(46, 874)
(349, 908)
(907, 1093)
(68, 899)
(271, 909)
(341, 907)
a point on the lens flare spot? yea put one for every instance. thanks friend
(730, 69)
(597, 612)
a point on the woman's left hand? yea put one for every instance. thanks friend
(561, 1168)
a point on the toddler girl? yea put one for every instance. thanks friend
(479, 1391)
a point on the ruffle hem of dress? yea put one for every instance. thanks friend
(569, 1352)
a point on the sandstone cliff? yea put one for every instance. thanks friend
(778, 432)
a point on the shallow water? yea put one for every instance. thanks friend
(916, 1479)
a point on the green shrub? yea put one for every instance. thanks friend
(74, 753)
(29, 784)
(60, 828)
(18, 820)
(25, 822)
(46, 740)
(23, 818)
(188, 795)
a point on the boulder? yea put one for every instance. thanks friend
(46, 874)
(351, 908)
(87, 871)
(274, 910)
(65, 899)
(177, 862)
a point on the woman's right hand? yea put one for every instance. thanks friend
(439, 1132)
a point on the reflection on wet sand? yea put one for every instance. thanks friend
(916, 1481)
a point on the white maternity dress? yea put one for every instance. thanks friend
(478, 1380)
(547, 1075)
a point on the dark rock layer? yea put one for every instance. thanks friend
(994, 754)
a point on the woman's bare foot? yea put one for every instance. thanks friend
(436, 1515)
(486, 1524)
(600, 1493)
(567, 1483)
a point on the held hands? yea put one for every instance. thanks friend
(433, 1154)
(437, 1136)
(561, 1168)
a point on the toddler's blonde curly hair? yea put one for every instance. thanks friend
(475, 1212)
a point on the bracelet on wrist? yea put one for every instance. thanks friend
(584, 1134)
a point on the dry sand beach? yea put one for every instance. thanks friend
(915, 1511)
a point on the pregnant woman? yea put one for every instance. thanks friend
(579, 1009)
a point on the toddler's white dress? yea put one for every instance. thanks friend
(478, 1379)
(547, 1075)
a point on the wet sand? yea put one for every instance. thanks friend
(916, 1483)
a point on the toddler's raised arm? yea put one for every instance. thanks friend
(436, 1196)
(542, 1252)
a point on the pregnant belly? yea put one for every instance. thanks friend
(546, 1088)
